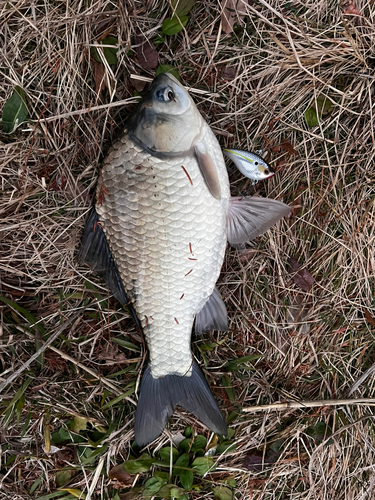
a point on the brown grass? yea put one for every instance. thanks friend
(312, 345)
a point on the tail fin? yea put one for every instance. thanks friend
(159, 397)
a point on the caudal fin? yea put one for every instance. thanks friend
(159, 397)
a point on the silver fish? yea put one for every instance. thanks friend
(249, 164)
(158, 235)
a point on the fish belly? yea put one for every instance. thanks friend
(167, 235)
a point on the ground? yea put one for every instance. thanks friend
(292, 79)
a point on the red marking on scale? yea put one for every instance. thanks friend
(151, 318)
(188, 272)
(188, 176)
(182, 296)
(176, 321)
(191, 251)
(97, 223)
(103, 191)
(146, 321)
(191, 258)
(138, 168)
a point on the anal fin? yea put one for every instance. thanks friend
(213, 316)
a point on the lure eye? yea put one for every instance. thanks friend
(256, 163)
(266, 171)
(165, 94)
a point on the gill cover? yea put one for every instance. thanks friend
(166, 120)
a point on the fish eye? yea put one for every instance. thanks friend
(165, 94)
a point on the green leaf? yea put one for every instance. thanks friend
(171, 491)
(162, 476)
(182, 7)
(61, 436)
(236, 363)
(324, 105)
(186, 479)
(141, 464)
(35, 484)
(30, 318)
(126, 344)
(78, 424)
(15, 111)
(199, 443)
(188, 431)
(311, 117)
(223, 493)
(174, 25)
(167, 68)
(203, 464)
(63, 477)
(165, 454)
(225, 447)
(110, 53)
(185, 445)
(182, 461)
(153, 485)
(55, 494)
(76, 493)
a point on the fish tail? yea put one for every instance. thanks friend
(159, 397)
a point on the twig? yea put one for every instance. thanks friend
(310, 404)
(189, 89)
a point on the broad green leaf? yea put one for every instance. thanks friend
(223, 493)
(165, 454)
(162, 476)
(186, 479)
(203, 464)
(141, 464)
(324, 105)
(311, 117)
(185, 445)
(225, 447)
(109, 52)
(174, 25)
(199, 443)
(15, 111)
(78, 424)
(188, 431)
(153, 485)
(167, 68)
(171, 491)
(182, 461)
(61, 436)
(63, 477)
(182, 7)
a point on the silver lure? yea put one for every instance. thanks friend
(249, 164)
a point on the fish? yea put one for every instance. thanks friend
(250, 164)
(157, 236)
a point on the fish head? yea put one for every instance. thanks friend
(250, 165)
(167, 119)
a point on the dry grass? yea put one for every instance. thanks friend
(312, 345)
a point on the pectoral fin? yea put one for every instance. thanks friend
(95, 252)
(249, 217)
(213, 316)
(208, 170)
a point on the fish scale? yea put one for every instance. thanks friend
(156, 224)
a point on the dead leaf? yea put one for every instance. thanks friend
(301, 277)
(146, 52)
(232, 11)
(351, 10)
(119, 474)
(253, 463)
(99, 76)
(286, 146)
(368, 317)
(139, 85)
(228, 73)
